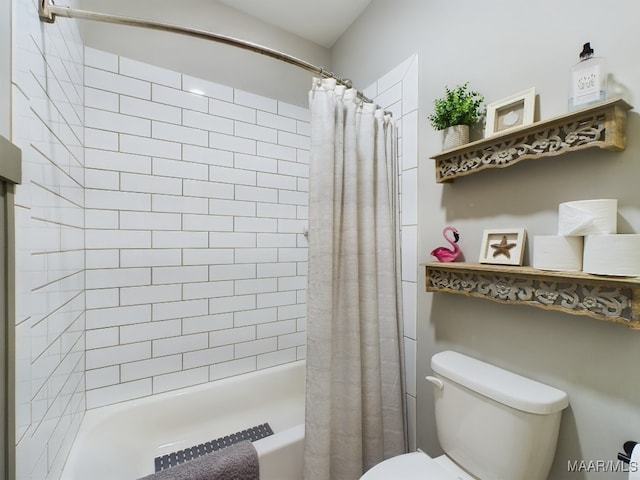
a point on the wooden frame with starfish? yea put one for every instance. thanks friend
(503, 246)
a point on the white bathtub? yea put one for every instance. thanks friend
(121, 441)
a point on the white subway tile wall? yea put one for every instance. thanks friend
(48, 126)
(159, 231)
(196, 259)
(397, 91)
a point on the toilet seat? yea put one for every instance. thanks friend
(410, 466)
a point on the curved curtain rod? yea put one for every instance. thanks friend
(48, 13)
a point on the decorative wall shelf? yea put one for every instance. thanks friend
(602, 125)
(613, 299)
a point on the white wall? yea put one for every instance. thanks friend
(220, 63)
(47, 124)
(196, 204)
(5, 69)
(396, 91)
(504, 47)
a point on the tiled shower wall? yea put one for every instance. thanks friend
(196, 207)
(397, 92)
(47, 125)
(195, 261)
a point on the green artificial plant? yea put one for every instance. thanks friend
(460, 106)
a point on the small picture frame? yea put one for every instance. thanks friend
(503, 246)
(511, 113)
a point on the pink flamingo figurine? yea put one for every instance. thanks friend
(444, 254)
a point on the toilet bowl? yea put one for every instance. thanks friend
(491, 423)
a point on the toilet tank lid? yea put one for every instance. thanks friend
(499, 384)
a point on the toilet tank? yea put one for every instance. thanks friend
(495, 424)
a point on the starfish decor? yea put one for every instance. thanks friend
(502, 248)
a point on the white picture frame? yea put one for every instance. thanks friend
(503, 246)
(510, 113)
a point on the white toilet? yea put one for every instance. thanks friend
(492, 425)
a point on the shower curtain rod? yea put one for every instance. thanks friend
(48, 12)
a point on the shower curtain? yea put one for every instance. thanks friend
(354, 409)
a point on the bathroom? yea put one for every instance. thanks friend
(501, 48)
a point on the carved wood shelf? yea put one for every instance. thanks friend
(602, 125)
(614, 299)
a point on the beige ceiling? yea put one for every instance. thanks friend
(320, 21)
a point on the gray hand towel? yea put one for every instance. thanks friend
(236, 462)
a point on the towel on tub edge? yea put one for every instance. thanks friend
(236, 462)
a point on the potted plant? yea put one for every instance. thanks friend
(454, 113)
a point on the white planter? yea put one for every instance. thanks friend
(455, 136)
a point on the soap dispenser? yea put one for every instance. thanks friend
(588, 80)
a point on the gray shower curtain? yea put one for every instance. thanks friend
(354, 409)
